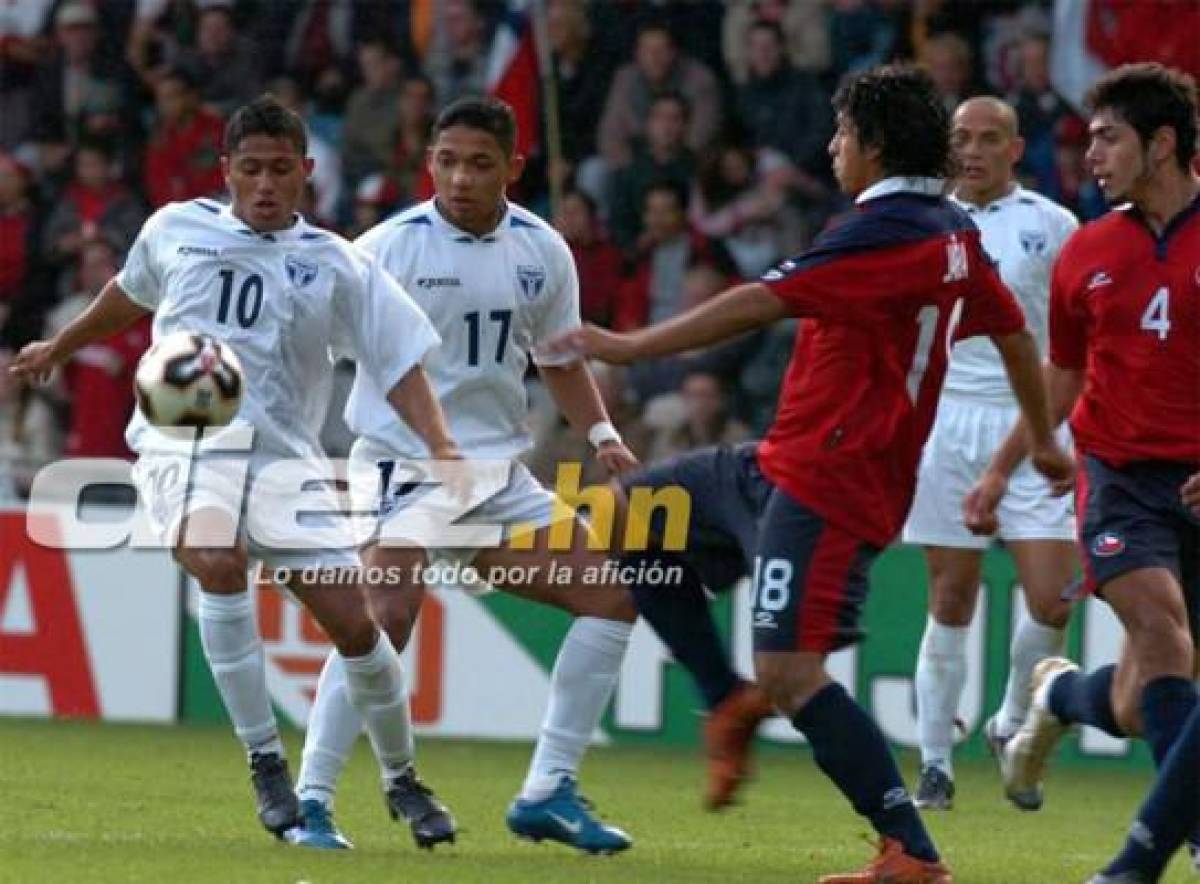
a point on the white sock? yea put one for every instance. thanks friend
(235, 655)
(941, 675)
(1032, 642)
(333, 728)
(375, 687)
(585, 674)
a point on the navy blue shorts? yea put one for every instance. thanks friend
(809, 579)
(1131, 518)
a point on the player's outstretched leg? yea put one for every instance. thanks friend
(681, 617)
(550, 806)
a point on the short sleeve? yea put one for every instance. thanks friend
(1068, 320)
(559, 311)
(989, 307)
(141, 278)
(381, 327)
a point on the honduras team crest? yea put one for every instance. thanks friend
(532, 280)
(1033, 242)
(299, 270)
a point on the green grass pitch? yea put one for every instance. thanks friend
(96, 802)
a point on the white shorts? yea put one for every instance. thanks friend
(283, 521)
(964, 437)
(520, 501)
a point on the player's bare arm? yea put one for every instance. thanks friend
(574, 391)
(414, 401)
(1063, 386)
(109, 313)
(740, 309)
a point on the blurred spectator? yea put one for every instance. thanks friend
(1040, 111)
(597, 260)
(804, 23)
(307, 39)
(409, 169)
(94, 204)
(80, 93)
(666, 250)
(661, 155)
(740, 198)
(704, 420)
(658, 68)
(98, 380)
(369, 129)
(22, 47)
(226, 63)
(785, 108)
(29, 434)
(375, 198)
(183, 158)
(556, 443)
(947, 56)
(582, 75)
(861, 35)
(458, 55)
(18, 236)
(326, 178)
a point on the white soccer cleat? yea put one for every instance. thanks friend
(1023, 757)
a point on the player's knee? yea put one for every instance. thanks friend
(612, 603)
(353, 634)
(951, 603)
(396, 617)
(789, 680)
(1048, 611)
(219, 571)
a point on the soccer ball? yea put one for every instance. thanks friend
(189, 380)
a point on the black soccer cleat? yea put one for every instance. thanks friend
(429, 819)
(935, 790)
(278, 807)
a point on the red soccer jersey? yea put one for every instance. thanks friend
(1125, 308)
(886, 291)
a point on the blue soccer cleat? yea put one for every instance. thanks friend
(316, 829)
(565, 816)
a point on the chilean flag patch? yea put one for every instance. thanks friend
(1107, 544)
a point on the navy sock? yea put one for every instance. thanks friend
(849, 747)
(1085, 698)
(680, 616)
(1170, 811)
(1166, 704)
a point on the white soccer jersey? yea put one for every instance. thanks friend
(1024, 232)
(492, 299)
(287, 302)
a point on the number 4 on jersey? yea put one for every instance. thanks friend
(1157, 317)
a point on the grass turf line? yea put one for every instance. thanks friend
(85, 802)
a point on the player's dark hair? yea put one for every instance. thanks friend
(1149, 96)
(485, 113)
(265, 116)
(896, 109)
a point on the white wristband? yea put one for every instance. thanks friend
(602, 432)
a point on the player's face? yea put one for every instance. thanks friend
(1118, 159)
(986, 149)
(266, 178)
(470, 173)
(852, 163)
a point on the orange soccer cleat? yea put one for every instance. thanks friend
(727, 735)
(894, 866)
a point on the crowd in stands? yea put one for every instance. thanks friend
(693, 154)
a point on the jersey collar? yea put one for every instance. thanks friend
(902, 184)
(1014, 193)
(299, 229)
(440, 222)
